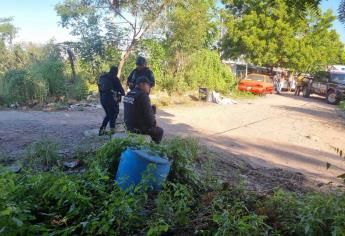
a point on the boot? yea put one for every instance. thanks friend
(102, 131)
(112, 131)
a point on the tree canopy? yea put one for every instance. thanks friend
(7, 30)
(270, 35)
(122, 23)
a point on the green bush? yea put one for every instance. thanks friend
(312, 214)
(79, 89)
(21, 87)
(201, 69)
(205, 69)
(52, 72)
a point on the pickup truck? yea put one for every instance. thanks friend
(329, 84)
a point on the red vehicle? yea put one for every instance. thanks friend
(256, 83)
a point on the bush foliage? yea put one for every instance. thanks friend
(90, 202)
(21, 86)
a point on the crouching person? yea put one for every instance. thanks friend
(139, 114)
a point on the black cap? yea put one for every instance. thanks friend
(143, 79)
(141, 61)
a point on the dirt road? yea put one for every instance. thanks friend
(284, 131)
(275, 131)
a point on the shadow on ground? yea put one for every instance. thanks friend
(287, 165)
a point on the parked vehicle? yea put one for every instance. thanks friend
(328, 84)
(256, 83)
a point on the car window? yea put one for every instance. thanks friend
(338, 78)
(255, 77)
(322, 76)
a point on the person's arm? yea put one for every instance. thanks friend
(148, 114)
(151, 77)
(130, 78)
(118, 86)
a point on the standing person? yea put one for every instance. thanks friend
(139, 114)
(278, 83)
(110, 90)
(293, 84)
(139, 71)
(299, 85)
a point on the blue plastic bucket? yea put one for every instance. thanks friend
(136, 164)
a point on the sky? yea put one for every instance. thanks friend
(37, 20)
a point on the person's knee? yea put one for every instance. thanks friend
(160, 131)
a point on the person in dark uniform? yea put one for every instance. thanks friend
(110, 90)
(141, 70)
(139, 113)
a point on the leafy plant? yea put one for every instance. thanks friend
(90, 203)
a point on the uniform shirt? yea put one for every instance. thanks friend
(138, 111)
(146, 72)
(110, 83)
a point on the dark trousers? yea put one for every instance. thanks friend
(156, 133)
(298, 90)
(111, 109)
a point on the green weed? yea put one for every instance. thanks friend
(42, 154)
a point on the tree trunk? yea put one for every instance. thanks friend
(125, 57)
(137, 35)
(71, 58)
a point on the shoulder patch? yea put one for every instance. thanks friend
(129, 100)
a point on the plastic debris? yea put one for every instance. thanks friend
(71, 164)
(15, 169)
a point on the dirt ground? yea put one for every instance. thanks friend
(281, 137)
(277, 131)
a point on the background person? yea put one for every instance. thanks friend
(299, 85)
(110, 90)
(139, 114)
(139, 71)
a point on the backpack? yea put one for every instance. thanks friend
(104, 84)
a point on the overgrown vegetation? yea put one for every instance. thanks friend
(90, 203)
(183, 40)
(34, 74)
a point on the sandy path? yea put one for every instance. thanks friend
(276, 131)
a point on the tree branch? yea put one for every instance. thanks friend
(120, 14)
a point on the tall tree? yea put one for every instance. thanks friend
(7, 34)
(125, 21)
(341, 11)
(269, 35)
(261, 33)
(191, 25)
(7, 30)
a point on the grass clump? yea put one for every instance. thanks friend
(42, 154)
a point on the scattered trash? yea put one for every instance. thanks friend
(14, 106)
(84, 106)
(218, 99)
(71, 164)
(14, 169)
